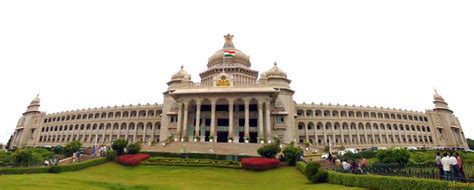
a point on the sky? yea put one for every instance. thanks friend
(85, 54)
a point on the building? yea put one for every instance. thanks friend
(234, 104)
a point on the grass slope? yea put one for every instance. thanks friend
(114, 176)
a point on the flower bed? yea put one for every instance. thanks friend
(259, 164)
(191, 162)
(132, 159)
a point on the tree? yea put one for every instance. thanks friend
(134, 148)
(470, 143)
(291, 154)
(58, 149)
(72, 147)
(118, 145)
(391, 156)
(23, 157)
(269, 150)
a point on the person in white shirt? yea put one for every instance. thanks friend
(454, 166)
(445, 161)
(346, 166)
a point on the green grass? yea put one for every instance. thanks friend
(114, 176)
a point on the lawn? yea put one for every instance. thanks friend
(114, 176)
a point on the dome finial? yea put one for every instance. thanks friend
(182, 66)
(275, 63)
(228, 41)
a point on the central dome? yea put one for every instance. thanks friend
(237, 56)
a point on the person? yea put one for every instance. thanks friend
(338, 163)
(438, 164)
(346, 166)
(363, 164)
(78, 155)
(46, 162)
(354, 166)
(454, 167)
(446, 163)
(459, 162)
(94, 151)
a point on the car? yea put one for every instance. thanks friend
(324, 156)
(412, 148)
(353, 150)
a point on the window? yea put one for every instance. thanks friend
(174, 119)
(280, 119)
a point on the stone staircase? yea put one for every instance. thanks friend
(206, 147)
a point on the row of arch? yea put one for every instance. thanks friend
(361, 126)
(102, 126)
(105, 115)
(360, 114)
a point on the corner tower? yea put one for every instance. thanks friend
(447, 125)
(26, 129)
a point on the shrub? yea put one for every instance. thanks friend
(391, 182)
(259, 164)
(58, 149)
(72, 147)
(191, 162)
(132, 159)
(311, 169)
(134, 148)
(320, 177)
(198, 155)
(291, 154)
(390, 156)
(301, 166)
(118, 145)
(23, 157)
(269, 150)
(71, 167)
(54, 169)
(110, 155)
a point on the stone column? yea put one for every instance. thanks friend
(247, 123)
(231, 118)
(178, 124)
(213, 119)
(144, 133)
(260, 121)
(306, 132)
(185, 122)
(268, 128)
(198, 118)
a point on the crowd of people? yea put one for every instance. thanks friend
(353, 166)
(450, 166)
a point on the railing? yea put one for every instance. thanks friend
(426, 171)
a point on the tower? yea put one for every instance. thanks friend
(447, 125)
(26, 128)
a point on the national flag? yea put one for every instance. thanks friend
(229, 53)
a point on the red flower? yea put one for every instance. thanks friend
(132, 159)
(259, 164)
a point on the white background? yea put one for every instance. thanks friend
(82, 54)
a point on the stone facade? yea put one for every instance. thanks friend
(233, 104)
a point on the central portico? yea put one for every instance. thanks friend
(230, 103)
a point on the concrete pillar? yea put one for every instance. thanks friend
(231, 118)
(198, 118)
(260, 121)
(213, 119)
(185, 122)
(178, 124)
(247, 123)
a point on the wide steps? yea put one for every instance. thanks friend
(206, 147)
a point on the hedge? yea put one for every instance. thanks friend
(259, 164)
(66, 168)
(191, 162)
(392, 182)
(198, 155)
(132, 159)
(300, 165)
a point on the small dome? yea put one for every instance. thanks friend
(438, 97)
(181, 75)
(237, 55)
(36, 100)
(275, 71)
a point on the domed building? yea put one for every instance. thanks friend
(235, 108)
